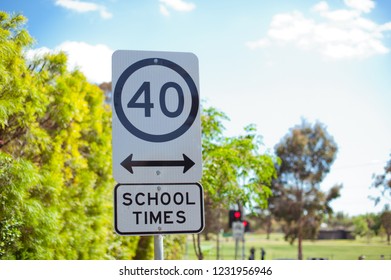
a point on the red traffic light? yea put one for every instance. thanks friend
(246, 225)
(234, 216)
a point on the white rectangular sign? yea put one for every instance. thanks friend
(238, 230)
(149, 209)
(156, 117)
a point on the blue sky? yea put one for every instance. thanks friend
(270, 63)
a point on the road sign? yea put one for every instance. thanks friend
(156, 117)
(150, 209)
(238, 230)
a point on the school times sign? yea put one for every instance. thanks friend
(149, 209)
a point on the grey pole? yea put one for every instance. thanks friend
(243, 248)
(158, 247)
(236, 247)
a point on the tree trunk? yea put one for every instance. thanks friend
(145, 248)
(300, 240)
(218, 234)
(268, 226)
(197, 247)
(201, 255)
(300, 225)
(218, 246)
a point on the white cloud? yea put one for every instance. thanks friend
(292, 26)
(339, 34)
(176, 5)
(84, 7)
(321, 7)
(164, 11)
(93, 60)
(385, 27)
(340, 15)
(361, 5)
(32, 53)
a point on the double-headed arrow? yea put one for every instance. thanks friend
(128, 163)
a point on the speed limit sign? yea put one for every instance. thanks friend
(156, 117)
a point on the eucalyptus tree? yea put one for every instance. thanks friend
(385, 219)
(382, 182)
(306, 152)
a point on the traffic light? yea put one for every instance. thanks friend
(246, 226)
(234, 216)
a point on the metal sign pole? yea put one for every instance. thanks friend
(243, 248)
(236, 247)
(158, 247)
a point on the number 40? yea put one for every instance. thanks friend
(147, 105)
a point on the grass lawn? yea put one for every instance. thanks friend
(277, 248)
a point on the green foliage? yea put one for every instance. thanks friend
(234, 170)
(382, 182)
(306, 154)
(145, 248)
(367, 225)
(360, 226)
(173, 246)
(385, 220)
(22, 216)
(176, 247)
(339, 220)
(55, 158)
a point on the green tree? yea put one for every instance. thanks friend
(339, 220)
(382, 182)
(360, 225)
(385, 218)
(21, 219)
(234, 170)
(55, 158)
(306, 155)
(20, 103)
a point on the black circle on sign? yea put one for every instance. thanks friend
(134, 130)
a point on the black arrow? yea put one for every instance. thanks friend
(128, 163)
